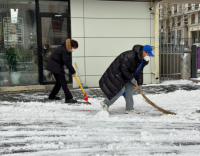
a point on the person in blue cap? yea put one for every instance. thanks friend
(122, 73)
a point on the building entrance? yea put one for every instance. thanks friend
(53, 30)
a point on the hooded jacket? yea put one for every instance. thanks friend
(60, 57)
(122, 70)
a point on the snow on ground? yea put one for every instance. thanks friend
(177, 82)
(173, 82)
(57, 129)
(198, 78)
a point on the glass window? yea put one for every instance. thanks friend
(162, 37)
(179, 21)
(199, 17)
(53, 6)
(193, 19)
(169, 12)
(189, 7)
(185, 19)
(179, 37)
(196, 6)
(180, 8)
(54, 33)
(175, 8)
(161, 24)
(18, 43)
(173, 36)
(173, 21)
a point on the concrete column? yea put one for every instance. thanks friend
(186, 66)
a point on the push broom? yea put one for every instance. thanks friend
(146, 99)
(153, 104)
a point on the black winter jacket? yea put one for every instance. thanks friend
(60, 57)
(126, 63)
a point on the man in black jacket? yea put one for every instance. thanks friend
(59, 58)
(120, 76)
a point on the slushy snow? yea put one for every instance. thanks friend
(57, 129)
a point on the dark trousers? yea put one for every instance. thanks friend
(60, 81)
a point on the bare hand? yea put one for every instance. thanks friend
(74, 75)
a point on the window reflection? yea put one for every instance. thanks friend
(18, 43)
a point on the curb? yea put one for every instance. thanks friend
(195, 81)
(29, 88)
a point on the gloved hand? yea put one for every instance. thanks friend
(140, 86)
(133, 81)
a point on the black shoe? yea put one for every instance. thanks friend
(54, 98)
(70, 101)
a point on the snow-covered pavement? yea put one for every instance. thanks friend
(56, 129)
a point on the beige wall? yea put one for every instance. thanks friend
(104, 29)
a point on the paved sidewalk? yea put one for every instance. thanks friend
(93, 93)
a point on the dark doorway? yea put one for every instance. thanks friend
(53, 29)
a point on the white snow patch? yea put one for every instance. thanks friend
(146, 135)
(198, 78)
(57, 129)
(173, 82)
(102, 115)
(185, 55)
(177, 82)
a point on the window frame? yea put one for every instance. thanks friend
(196, 6)
(199, 17)
(179, 23)
(175, 8)
(193, 20)
(189, 7)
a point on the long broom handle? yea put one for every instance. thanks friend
(80, 85)
(76, 66)
(153, 104)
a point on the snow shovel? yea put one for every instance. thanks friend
(153, 104)
(86, 98)
(83, 85)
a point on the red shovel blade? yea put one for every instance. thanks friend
(86, 98)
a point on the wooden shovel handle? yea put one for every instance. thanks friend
(153, 104)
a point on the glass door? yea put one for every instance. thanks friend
(54, 29)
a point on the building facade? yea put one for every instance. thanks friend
(30, 30)
(184, 22)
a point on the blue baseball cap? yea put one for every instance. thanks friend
(149, 50)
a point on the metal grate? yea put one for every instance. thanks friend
(171, 50)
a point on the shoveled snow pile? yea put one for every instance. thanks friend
(102, 115)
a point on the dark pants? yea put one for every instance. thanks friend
(60, 81)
